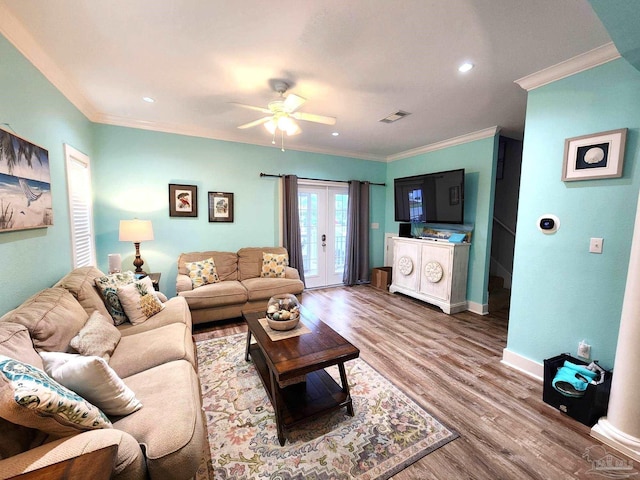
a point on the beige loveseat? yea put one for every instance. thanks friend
(241, 288)
(163, 439)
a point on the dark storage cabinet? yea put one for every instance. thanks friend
(586, 409)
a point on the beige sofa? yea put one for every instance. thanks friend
(165, 438)
(241, 288)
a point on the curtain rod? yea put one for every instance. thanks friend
(318, 179)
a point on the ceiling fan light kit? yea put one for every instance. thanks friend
(283, 114)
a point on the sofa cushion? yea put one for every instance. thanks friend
(29, 397)
(15, 342)
(265, 288)
(230, 292)
(176, 310)
(274, 265)
(250, 260)
(98, 337)
(139, 300)
(93, 379)
(52, 316)
(151, 348)
(108, 288)
(171, 426)
(80, 282)
(202, 272)
(16, 439)
(226, 263)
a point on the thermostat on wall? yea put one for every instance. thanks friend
(548, 224)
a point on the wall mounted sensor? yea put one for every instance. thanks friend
(548, 224)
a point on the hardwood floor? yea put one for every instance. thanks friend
(450, 364)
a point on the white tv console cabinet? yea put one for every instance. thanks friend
(432, 271)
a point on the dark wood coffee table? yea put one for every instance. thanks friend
(282, 361)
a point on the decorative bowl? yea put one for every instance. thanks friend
(283, 312)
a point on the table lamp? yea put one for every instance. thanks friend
(136, 231)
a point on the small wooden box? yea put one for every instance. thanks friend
(381, 277)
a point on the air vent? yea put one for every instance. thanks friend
(394, 117)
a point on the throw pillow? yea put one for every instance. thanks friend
(202, 272)
(139, 300)
(98, 337)
(29, 397)
(92, 378)
(108, 287)
(274, 265)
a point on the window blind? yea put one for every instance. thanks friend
(80, 208)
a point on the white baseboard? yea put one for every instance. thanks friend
(479, 308)
(523, 364)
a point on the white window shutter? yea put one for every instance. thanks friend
(80, 207)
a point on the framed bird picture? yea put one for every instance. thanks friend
(25, 184)
(183, 200)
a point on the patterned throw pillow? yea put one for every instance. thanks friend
(29, 397)
(139, 300)
(98, 337)
(202, 272)
(92, 378)
(108, 287)
(274, 265)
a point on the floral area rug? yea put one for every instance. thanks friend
(388, 432)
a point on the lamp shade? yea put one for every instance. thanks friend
(136, 230)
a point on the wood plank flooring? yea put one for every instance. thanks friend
(450, 364)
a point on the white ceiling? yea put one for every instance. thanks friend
(356, 60)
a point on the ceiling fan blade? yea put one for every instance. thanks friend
(255, 122)
(293, 102)
(310, 117)
(251, 107)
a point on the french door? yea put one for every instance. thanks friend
(323, 231)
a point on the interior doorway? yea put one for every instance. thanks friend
(323, 230)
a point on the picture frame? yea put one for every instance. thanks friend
(183, 200)
(220, 207)
(25, 184)
(595, 156)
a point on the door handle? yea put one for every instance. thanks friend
(324, 240)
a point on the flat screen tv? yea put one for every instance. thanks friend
(430, 198)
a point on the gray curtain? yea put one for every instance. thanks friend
(291, 230)
(356, 268)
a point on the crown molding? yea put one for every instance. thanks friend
(577, 64)
(23, 41)
(192, 131)
(469, 137)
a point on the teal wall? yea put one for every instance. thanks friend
(34, 259)
(562, 293)
(478, 158)
(133, 170)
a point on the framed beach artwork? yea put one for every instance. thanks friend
(25, 184)
(220, 207)
(183, 200)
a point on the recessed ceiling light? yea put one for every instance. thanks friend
(335, 134)
(465, 67)
(148, 99)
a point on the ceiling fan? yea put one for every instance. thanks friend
(282, 114)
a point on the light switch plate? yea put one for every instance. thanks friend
(595, 245)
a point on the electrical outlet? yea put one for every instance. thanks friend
(584, 350)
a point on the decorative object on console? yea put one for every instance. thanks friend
(283, 312)
(220, 207)
(183, 200)
(136, 231)
(599, 155)
(25, 184)
(405, 266)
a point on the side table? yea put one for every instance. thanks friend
(155, 279)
